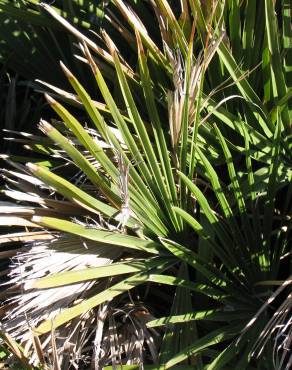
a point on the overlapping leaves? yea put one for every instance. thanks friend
(170, 190)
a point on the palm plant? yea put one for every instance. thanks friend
(178, 193)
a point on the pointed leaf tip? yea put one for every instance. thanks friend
(67, 72)
(44, 126)
(139, 42)
(109, 42)
(32, 167)
(89, 58)
(50, 100)
(36, 219)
